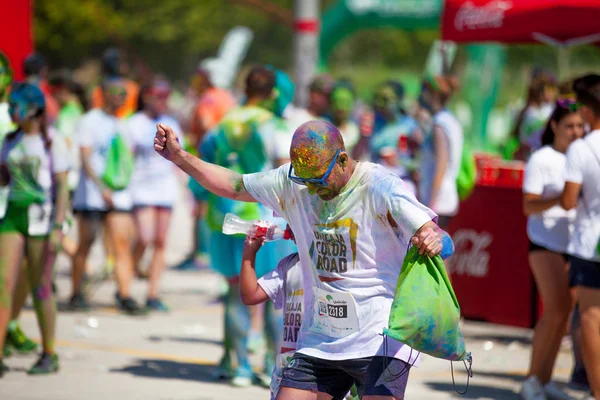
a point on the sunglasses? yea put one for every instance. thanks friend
(321, 182)
(568, 104)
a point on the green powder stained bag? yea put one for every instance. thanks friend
(119, 164)
(425, 314)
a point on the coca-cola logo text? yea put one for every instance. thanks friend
(490, 15)
(470, 257)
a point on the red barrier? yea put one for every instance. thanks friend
(489, 270)
(16, 39)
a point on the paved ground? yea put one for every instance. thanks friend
(105, 355)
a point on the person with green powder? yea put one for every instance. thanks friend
(16, 340)
(34, 166)
(342, 103)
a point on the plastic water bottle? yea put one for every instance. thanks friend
(233, 225)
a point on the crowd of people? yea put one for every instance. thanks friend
(354, 184)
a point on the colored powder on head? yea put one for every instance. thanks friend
(313, 146)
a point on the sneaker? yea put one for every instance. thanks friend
(18, 341)
(47, 364)
(532, 389)
(243, 378)
(553, 392)
(156, 304)
(128, 306)
(78, 303)
(224, 370)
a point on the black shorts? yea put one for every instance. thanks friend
(375, 376)
(584, 273)
(536, 247)
(97, 215)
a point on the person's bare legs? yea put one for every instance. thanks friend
(69, 247)
(589, 307)
(40, 262)
(87, 228)
(144, 218)
(21, 292)
(287, 393)
(119, 226)
(550, 273)
(162, 219)
(12, 246)
(109, 251)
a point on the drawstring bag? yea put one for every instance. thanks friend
(425, 314)
(119, 164)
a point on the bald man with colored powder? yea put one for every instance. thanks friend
(353, 222)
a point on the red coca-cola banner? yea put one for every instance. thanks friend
(521, 21)
(489, 269)
(16, 39)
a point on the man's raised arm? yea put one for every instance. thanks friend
(214, 178)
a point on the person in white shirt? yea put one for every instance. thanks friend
(582, 191)
(153, 185)
(548, 229)
(342, 104)
(34, 165)
(95, 203)
(352, 223)
(283, 286)
(442, 150)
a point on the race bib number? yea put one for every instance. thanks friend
(334, 314)
(39, 219)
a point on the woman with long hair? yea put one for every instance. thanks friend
(153, 185)
(441, 150)
(548, 228)
(35, 167)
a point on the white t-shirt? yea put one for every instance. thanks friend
(284, 287)
(447, 199)
(30, 167)
(545, 176)
(96, 131)
(154, 182)
(351, 252)
(583, 168)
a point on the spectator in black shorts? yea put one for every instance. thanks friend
(548, 228)
(582, 191)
